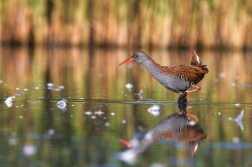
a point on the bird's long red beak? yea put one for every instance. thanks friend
(126, 61)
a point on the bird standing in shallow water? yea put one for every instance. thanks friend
(177, 78)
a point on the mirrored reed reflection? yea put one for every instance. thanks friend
(65, 105)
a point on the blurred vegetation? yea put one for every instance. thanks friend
(127, 23)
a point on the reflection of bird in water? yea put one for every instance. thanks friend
(180, 126)
(177, 78)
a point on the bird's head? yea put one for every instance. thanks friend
(139, 57)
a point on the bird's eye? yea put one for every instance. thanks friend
(136, 56)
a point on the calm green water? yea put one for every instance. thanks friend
(36, 128)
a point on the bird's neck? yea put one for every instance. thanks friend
(151, 65)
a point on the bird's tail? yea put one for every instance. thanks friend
(195, 59)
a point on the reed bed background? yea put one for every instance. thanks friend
(127, 23)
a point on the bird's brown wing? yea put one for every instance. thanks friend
(192, 73)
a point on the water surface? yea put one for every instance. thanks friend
(37, 130)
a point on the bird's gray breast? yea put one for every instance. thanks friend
(176, 83)
(173, 82)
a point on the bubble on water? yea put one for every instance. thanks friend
(112, 114)
(129, 86)
(88, 113)
(50, 84)
(61, 104)
(155, 110)
(236, 140)
(12, 141)
(9, 100)
(99, 112)
(222, 75)
(93, 116)
(237, 104)
(61, 87)
(107, 124)
(51, 131)
(56, 89)
(29, 150)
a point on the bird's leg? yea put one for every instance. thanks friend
(195, 90)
